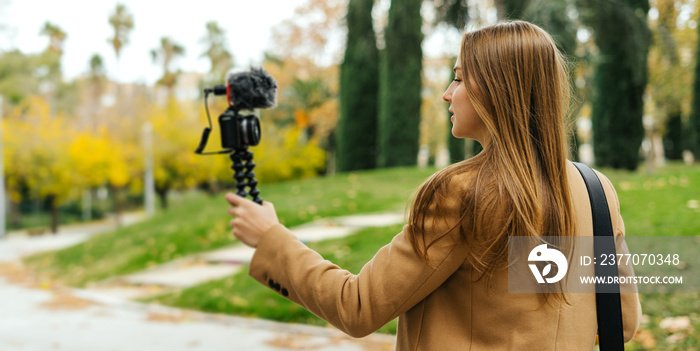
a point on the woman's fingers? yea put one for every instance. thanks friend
(250, 220)
(237, 200)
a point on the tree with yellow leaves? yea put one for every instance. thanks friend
(38, 150)
(176, 165)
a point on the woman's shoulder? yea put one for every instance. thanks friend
(576, 178)
(580, 196)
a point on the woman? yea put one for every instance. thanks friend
(444, 275)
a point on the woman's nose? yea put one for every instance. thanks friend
(447, 96)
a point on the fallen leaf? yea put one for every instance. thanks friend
(646, 338)
(674, 324)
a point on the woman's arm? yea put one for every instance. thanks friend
(391, 283)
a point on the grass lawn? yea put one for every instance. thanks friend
(241, 295)
(198, 222)
(662, 204)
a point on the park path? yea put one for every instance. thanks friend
(202, 267)
(38, 316)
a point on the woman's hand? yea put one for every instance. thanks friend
(251, 220)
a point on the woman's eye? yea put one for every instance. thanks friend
(457, 80)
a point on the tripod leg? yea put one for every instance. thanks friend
(250, 175)
(238, 172)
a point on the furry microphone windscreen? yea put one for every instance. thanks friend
(252, 89)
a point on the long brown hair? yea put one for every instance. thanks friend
(517, 186)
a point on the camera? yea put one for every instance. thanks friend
(240, 127)
(239, 131)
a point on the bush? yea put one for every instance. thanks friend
(288, 156)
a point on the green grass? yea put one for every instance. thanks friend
(198, 222)
(659, 204)
(662, 204)
(241, 295)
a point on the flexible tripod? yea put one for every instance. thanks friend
(243, 174)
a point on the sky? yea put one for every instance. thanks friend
(247, 23)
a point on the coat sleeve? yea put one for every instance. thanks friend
(631, 307)
(394, 280)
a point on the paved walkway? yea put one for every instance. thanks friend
(38, 316)
(200, 268)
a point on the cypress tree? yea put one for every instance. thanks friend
(511, 9)
(622, 37)
(694, 122)
(552, 15)
(359, 87)
(455, 146)
(454, 13)
(673, 137)
(400, 101)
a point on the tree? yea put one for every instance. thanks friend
(400, 85)
(454, 13)
(620, 78)
(694, 123)
(302, 50)
(511, 9)
(174, 162)
(669, 82)
(39, 152)
(553, 16)
(219, 57)
(122, 23)
(97, 80)
(18, 76)
(308, 94)
(359, 89)
(56, 37)
(51, 59)
(166, 53)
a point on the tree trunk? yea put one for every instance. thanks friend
(163, 197)
(15, 214)
(53, 205)
(673, 138)
(118, 205)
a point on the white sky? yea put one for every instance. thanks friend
(247, 24)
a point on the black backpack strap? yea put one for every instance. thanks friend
(607, 297)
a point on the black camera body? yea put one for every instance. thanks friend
(239, 131)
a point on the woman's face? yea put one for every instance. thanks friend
(465, 121)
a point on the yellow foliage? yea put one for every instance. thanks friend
(97, 159)
(174, 140)
(282, 155)
(38, 150)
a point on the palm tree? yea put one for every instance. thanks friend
(167, 51)
(56, 37)
(122, 22)
(220, 58)
(96, 79)
(51, 59)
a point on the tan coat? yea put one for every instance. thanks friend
(440, 307)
